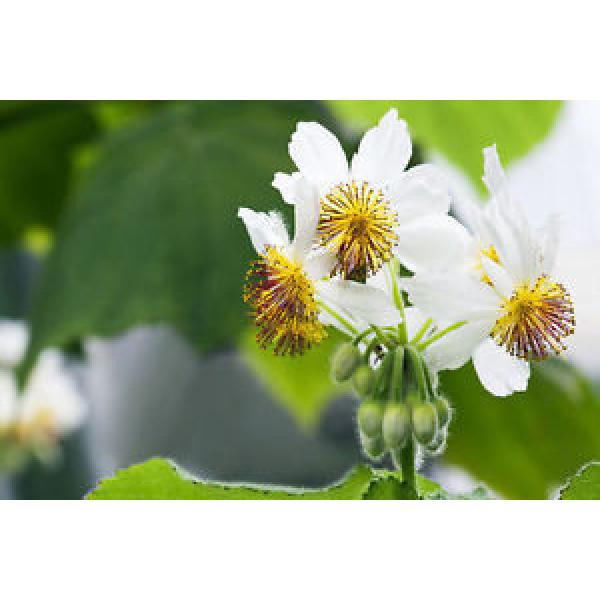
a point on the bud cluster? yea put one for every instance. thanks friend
(399, 405)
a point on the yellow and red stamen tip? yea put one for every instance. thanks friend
(357, 224)
(535, 320)
(283, 303)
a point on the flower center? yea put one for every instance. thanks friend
(535, 319)
(356, 224)
(283, 303)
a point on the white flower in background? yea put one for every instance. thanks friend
(502, 306)
(280, 284)
(372, 209)
(49, 407)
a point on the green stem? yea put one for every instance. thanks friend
(419, 373)
(398, 301)
(407, 463)
(395, 391)
(339, 317)
(421, 332)
(440, 334)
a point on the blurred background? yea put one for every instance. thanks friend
(121, 247)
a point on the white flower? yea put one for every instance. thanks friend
(50, 405)
(280, 284)
(372, 209)
(501, 302)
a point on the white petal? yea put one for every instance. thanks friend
(494, 177)
(264, 229)
(13, 342)
(384, 151)
(498, 275)
(500, 373)
(319, 263)
(306, 218)
(455, 348)
(415, 319)
(288, 186)
(451, 297)
(8, 399)
(421, 191)
(318, 155)
(432, 243)
(51, 391)
(550, 240)
(363, 303)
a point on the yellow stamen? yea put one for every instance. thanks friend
(491, 253)
(535, 319)
(356, 223)
(283, 303)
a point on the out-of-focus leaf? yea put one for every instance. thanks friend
(37, 141)
(160, 479)
(302, 384)
(585, 485)
(459, 129)
(526, 445)
(153, 234)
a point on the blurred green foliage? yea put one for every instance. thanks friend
(526, 445)
(153, 233)
(459, 129)
(37, 144)
(302, 384)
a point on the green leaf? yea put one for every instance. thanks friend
(160, 479)
(525, 445)
(302, 384)
(460, 129)
(584, 485)
(153, 234)
(37, 141)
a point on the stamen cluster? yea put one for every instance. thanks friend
(283, 304)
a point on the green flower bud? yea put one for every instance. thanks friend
(373, 447)
(370, 415)
(344, 362)
(396, 425)
(363, 380)
(424, 420)
(438, 442)
(442, 408)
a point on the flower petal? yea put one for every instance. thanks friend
(432, 243)
(452, 297)
(13, 342)
(288, 186)
(500, 373)
(318, 155)
(500, 278)
(361, 302)
(456, 347)
(494, 177)
(384, 151)
(264, 229)
(319, 263)
(421, 191)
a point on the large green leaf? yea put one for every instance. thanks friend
(37, 142)
(153, 233)
(526, 445)
(585, 485)
(459, 129)
(302, 384)
(160, 479)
